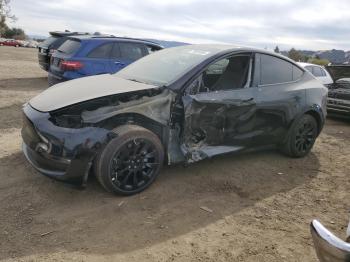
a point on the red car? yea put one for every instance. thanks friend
(10, 42)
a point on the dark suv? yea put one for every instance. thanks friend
(81, 56)
(47, 47)
(180, 104)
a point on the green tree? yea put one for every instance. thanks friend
(16, 33)
(5, 13)
(295, 55)
(277, 50)
(318, 61)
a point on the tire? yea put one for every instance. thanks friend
(130, 162)
(301, 137)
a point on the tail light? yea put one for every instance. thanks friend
(70, 65)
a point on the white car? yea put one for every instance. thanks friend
(319, 72)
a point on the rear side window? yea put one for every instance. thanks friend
(115, 51)
(131, 51)
(274, 70)
(69, 46)
(102, 51)
(49, 41)
(58, 42)
(297, 73)
(317, 71)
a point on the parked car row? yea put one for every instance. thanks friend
(81, 56)
(50, 45)
(10, 42)
(70, 55)
(18, 43)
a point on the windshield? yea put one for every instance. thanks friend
(166, 66)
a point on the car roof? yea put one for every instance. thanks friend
(66, 33)
(113, 38)
(303, 64)
(215, 49)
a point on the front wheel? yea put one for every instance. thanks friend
(301, 137)
(130, 162)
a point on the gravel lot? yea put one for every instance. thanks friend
(262, 203)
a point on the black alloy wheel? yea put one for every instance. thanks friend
(130, 162)
(301, 137)
(134, 164)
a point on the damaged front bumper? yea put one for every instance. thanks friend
(329, 248)
(65, 154)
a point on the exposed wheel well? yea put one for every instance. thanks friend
(140, 120)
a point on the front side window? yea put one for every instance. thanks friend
(103, 51)
(226, 74)
(131, 51)
(274, 70)
(48, 41)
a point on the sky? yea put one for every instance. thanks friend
(303, 24)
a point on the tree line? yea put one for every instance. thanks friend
(300, 57)
(6, 15)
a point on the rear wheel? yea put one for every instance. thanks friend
(301, 137)
(131, 161)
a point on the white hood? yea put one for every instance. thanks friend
(83, 89)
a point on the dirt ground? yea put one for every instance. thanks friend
(262, 203)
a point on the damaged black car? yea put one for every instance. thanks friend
(181, 104)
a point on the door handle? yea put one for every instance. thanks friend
(119, 63)
(248, 100)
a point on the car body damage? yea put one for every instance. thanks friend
(215, 125)
(156, 107)
(178, 105)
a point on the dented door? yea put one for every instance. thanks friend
(218, 122)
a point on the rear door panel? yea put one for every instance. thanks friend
(277, 105)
